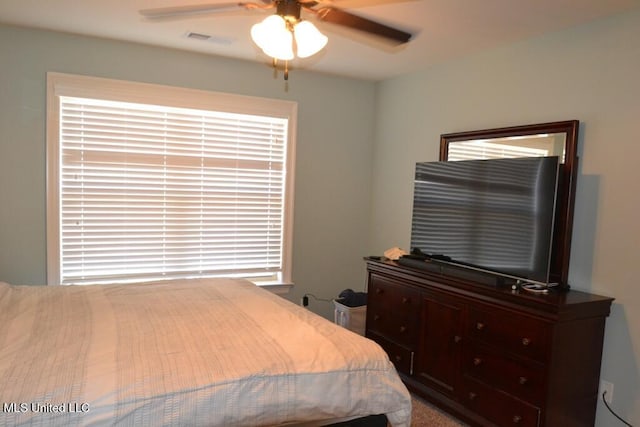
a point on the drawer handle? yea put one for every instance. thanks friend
(523, 380)
(457, 339)
(516, 419)
(405, 300)
(472, 396)
(403, 329)
(477, 361)
(379, 291)
(526, 341)
(376, 317)
(480, 326)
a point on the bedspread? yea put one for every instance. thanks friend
(215, 352)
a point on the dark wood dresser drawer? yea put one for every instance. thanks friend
(523, 335)
(402, 357)
(403, 328)
(393, 311)
(499, 407)
(394, 297)
(521, 378)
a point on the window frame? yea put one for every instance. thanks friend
(68, 85)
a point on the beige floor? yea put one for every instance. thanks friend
(424, 414)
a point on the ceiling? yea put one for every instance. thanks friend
(443, 29)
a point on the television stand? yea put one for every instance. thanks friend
(490, 355)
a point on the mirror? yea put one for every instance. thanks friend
(544, 139)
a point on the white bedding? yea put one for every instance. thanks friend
(216, 352)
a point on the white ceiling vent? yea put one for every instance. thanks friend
(208, 38)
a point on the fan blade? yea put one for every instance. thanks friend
(340, 17)
(350, 4)
(182, 11)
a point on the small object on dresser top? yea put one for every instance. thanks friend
(394, 253)
(535, 288)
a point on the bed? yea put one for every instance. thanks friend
(198, 352)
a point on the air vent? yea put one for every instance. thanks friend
(208, 38)
(198, 36)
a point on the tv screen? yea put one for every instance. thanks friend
(494, 215)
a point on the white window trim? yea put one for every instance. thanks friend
(59, 84)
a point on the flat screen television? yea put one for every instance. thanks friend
(495, 215)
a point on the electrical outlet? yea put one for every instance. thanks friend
(606, 386)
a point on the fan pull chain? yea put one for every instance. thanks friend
(286, 69)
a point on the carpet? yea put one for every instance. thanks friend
(425, 414)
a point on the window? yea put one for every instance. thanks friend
(151, 182)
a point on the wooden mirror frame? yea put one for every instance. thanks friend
(561, 246)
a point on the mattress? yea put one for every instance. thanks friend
(214, 352)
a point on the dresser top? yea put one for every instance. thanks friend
(561, 304)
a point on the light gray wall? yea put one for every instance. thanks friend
(335, 133)
(590, 73)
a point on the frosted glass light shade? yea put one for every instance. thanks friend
(309, 40)
(273, 37)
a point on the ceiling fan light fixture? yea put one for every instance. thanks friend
(274, 38)
(275, 34)
(308, 39)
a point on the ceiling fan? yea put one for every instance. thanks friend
(281, 34)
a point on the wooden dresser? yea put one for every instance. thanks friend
(488, 354)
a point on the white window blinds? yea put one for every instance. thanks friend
(473, 150)
(150, 192)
